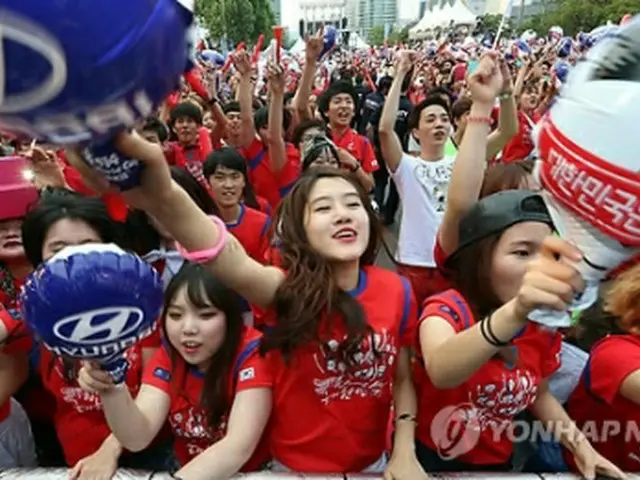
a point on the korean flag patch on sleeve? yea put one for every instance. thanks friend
(247, 374)
(162, 374)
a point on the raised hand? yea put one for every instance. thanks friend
(405, 60)
(486, 82)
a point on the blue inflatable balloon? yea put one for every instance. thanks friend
(80, 71)
(330, 39)
(564, 47)
(92, 302)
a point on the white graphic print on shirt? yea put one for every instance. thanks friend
(81, 400)
(365, 379)
(435, 180)
(191, 424)
(491, 405)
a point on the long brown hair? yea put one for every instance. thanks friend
(471, 276)
(309, 293)
(204, 290)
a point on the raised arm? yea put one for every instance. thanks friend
(170, 205)
(390, 144)
(305, 87)
(275, 145)
(508, 122)
(468, 170)
(242, 62)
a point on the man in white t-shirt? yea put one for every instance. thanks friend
(422, 181)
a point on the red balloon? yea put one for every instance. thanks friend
(626, 19)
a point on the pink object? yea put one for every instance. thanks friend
(17, 191)
(205, 256)
(277, 34)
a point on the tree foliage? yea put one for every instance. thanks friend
(376, 35)
(238, 20)
(580, 15)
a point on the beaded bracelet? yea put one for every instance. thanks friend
(205, 256)
(479, 119)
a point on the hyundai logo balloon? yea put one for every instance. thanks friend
(92, 302)
(79, 72)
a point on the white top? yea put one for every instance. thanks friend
(422, 187)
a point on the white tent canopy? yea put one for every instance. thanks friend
(357, 42)
(442, 15)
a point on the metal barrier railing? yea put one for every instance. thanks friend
(63, 474)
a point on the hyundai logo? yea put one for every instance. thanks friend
(99, 326)
(22, 31)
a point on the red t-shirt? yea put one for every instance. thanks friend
(325, 419)
(251, 230)
(486, 403)
(183, 384)
(19, 341)
(191, 158)
(359, 146)
(264, 205)
(596, 404)
(521, 145)
(273, 186)
(79, 420)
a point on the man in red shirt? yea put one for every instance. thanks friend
(521, 145)
(337, 105)
(273, 165)
(193, 145)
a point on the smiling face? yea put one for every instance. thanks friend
(335, 221)
(341, 110)
(196, 333)
(227, 186)
(234, 124)
(186, 129)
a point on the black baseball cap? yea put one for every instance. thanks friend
(497, 212)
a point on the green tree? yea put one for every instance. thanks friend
(376, 35)
(401, 35)
(238, 20)
(580, 15)
(490, 22)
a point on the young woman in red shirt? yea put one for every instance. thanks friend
(60, 219)
(208, 379)
(341, 328)
(605, 403)
(481, 361)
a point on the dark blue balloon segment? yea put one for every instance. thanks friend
(80, 71)
(121, 171)
(93, 305)
(330, 38)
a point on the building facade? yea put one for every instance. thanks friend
(276, 6)
(363, 15)
(317, 13)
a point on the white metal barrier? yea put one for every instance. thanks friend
(63, 474)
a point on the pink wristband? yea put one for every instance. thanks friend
(205, 256)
